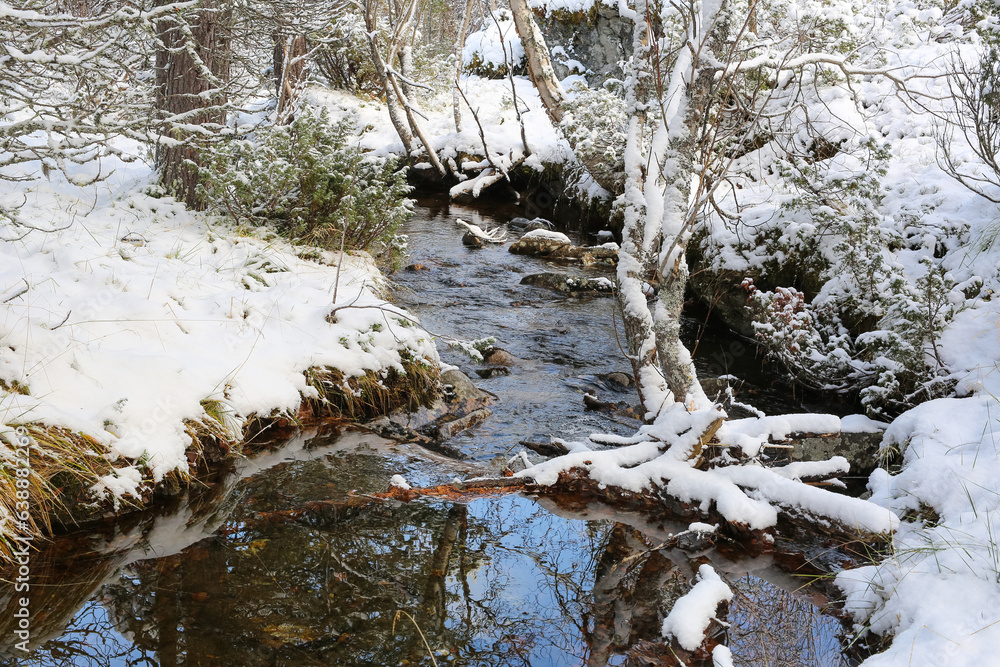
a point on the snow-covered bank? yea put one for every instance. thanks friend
(137, 320)
(937, 593)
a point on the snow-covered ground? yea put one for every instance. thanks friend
(122, 321)
(138, 310)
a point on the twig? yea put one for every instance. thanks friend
(18, 293)
(63, 321)
(430, 653)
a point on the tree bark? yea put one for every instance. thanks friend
(192, 69)
(401, 127)
(290, 73)
(456, 97)
(539, 65)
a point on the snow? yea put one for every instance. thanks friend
(753, 433)
(497, 44)
(547, 235)
(722, 656)
(399, 482)
(659, 455)
(861, 424)
(693, 612)
(122, 340)
(137, 310)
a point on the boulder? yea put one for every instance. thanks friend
(617, 380)
(562, 282)
(492, 372)
(523, 224)
(600, 40)
(461, 387)
(540, 242)
(473, 241)
(860, 449)
(538, 223)
(461, 406)
(723, 292)
(553, 245)
(496, 356)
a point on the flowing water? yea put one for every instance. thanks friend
(275, 562)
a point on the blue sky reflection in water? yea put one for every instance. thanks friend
(495, 582)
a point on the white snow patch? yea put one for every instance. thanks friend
(691, 615)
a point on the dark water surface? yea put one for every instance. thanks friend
(274, 562)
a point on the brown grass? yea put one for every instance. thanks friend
(66, 464)
(370, 395)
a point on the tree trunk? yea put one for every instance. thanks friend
(456, 98)
(290, 74)
(660, 161)
(402, 129)
(640, 236)
(192, 69)
(539, 65)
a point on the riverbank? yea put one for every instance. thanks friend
(141, 342)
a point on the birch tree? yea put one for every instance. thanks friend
(696, 98)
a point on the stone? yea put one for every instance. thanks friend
(562, 282)
(539, 245)
(448, 429)
(601, 40)
(473, 241)
(538, 223)
(860, 449)
(496, 356)
(722, 291)
(462, 388)
(492, 372)
(558, 246)
(618, 381)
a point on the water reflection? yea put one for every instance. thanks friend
(296, 572)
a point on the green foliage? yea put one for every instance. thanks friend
(595, 123)
(895, 365)
(344, 59)
(870, 327)
(305, 181)
(473, 348)
(905, 358)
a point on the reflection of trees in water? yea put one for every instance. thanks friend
(778, 628)
(502, 582)
(497, 582)
(90, 640)
(634, 589)
(66, 572)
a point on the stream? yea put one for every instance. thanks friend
(271, 563)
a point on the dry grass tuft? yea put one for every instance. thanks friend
(371, 395)
(65, 465)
